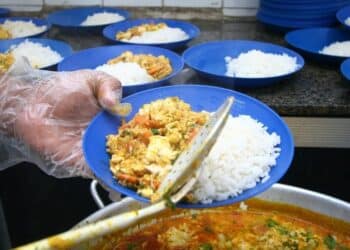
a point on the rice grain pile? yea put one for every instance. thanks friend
(22, 28)
(102, 18)
(128, 73)
(39, 56)
(256, 63)
(242, 156)
(347, 21)
(337, 49)
(163, 35)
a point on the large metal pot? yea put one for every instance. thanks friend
(280, 193)
(314, 201)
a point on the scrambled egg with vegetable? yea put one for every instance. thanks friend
(145, 148)
(138, 30)
(156, 66)
(6, 60)
(4, 33)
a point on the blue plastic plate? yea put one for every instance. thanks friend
(343, 14)
(345, 69)
(192, 31)
(321, 37)
(200, 97)
(61, 48)
(72, 18)
(208, 60)
(36, 21)
(91, 58)
(4, 12)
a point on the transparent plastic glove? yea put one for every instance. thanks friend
(44, 115)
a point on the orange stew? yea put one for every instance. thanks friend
(264, 225)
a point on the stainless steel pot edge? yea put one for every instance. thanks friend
(311, 200)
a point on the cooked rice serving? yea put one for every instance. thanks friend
(128, 73)
(102, 18)
(22, 28)
(242, 156)
(39, 56)
(337, 49)
(347, 21)
(256, 63)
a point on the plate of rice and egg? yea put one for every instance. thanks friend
(137, 67)
(253, 151)
(164, 33)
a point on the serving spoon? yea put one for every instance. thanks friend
(181, 178)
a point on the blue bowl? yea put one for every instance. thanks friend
(343, 14)
(321, 37)
(72, 18)
(61, 48)
(91, 58)
(200, 97)
(207, 59)
(4, 12)
(36, 21)
(191, 30)
(345, 69)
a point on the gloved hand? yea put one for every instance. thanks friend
(43, 116)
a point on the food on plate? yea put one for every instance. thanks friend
(255, 224)
(102, 18)
(256, 63)
(144, 149)
(16, 29)
(6, 60)
(337, 49)
(152, 33)
(38, 55)
(132, 68)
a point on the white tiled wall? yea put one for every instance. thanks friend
(21, 5)
(194, 3)
(73, 2)
(148, 3)
(229, 7)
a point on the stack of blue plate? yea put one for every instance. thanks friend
(294, 14)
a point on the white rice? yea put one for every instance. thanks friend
(127, 73)
(242, 156)
(347, 21)
(102, 18)
(163, 35)
(337, 49)
(39, 56)
(256, 63)
(22, 28)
